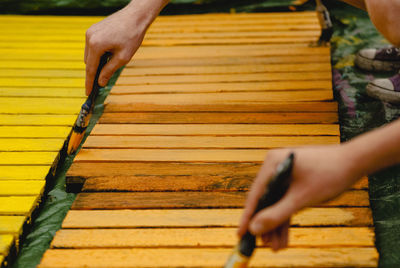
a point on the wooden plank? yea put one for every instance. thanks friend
(41, 92)
(227, 69)
(35, 73)
(37, 119)
(34, 132)
(17, 205)
(18, 105)
(179, 200)
(214, 130)
(24, 172)
(170, 155)
(51, 82)
(42, 65)
(210, 78)
(27, 158)
(5, 243)
(175, 142)
(15, 188)
(205, 237)
(30, 145)
(222, 87)
(225, 181)
(121, 105)
(11, 224)
(207, 218)
(217, 118)
(331, 257)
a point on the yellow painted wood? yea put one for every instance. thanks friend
(5, 243)
(15, 105)
(42, 65)
(42, 82)
(209, 257)
(42, 92)
(11, 224)
(205, 217)
(215, 130)
(37, 120)
(34, 131)
(17, 205)
(27, 158)
(28, 73)
(24, 172)
(16, 188)
(1, 259)
(206, 237)
(30, 145)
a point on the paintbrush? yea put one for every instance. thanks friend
(325, 22)
(275, 190)
(81, 123)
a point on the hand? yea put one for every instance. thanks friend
(121, 34)
(319, 174)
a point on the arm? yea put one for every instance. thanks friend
(121, 34)
(319, 174)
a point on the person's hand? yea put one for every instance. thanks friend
(319, 174)
(121, 34)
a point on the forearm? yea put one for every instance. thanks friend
(375, 150)
(144, 12)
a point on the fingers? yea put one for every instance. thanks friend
(92, 62)
(109, 69)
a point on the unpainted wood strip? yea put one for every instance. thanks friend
(215, 130)
(223, 87)
(21, 188)
(37, 120)
(226, 181)
(27, 158)
(24, 172)
(296, 257)
(11, 224)
(205, 237)
(227, 69)
(17, 205)
(5, 243)
(207, 218)
(30, 145)
(170, 155)
(179, 200)
(176, 142)
(216, 78)
(34, 131)
(18, 105)
(217, 118)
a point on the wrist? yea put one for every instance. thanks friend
(141, 13)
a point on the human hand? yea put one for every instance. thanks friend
(121, 34)
(319, 174)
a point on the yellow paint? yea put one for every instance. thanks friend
(37, 119)
(42, 65)
(14, 187)
(34, 132)
(11, 224)
(5, 243)
(15, 105)
(30, 145)
(27, 158)
(24, 172)
(17, 205)
(42, 82)
(35, 73)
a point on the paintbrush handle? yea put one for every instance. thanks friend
(275, 190)
(95, 88)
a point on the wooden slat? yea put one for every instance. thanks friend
(41, 92)
(212, 78)
(17, 205)
(14, 187)
(30, 145)
(226, 181)
(214, 130)
(11, 224)
(24, 172)
(5, 243)
(171, 200)
(207, 218)
(34, 73)
(205, 237)
(37, 120)
(34, 132)
(175, 142)
(27, 158)
(17, 105)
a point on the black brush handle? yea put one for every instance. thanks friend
(275, 190)
(95, 88)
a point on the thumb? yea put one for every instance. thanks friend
(270, 218)
(109, 69)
